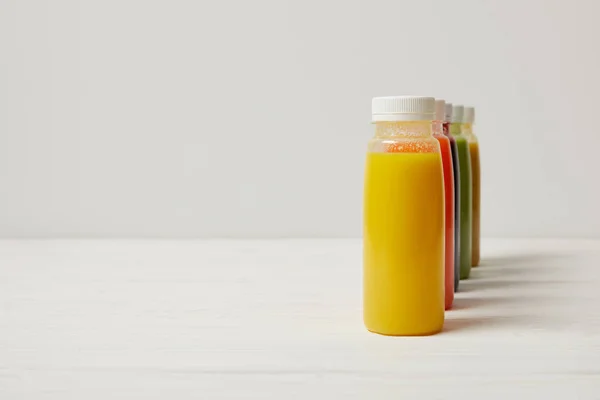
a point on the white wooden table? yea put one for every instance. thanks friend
(133, 319)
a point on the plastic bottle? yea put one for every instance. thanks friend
(466, 193)
(456, 170)
(403, 270)
(446, 150)
(467, 129)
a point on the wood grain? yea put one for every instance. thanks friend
(156, 319)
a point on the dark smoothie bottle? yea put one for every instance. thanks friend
(466, 190)
(456, 174)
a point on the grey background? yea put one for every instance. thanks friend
(250, 118)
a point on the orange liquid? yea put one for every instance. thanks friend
(449, 219)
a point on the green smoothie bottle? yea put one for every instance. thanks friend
(466, 190)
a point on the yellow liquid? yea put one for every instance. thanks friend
(404, 244)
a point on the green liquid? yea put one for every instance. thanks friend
(466, 200)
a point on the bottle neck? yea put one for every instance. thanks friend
(437, 128)
(402, 129)
(446, 128)
(467, 129)
(456, 128)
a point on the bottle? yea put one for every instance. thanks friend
(467, 129)
(456, 170)
(438, 133)
(466, 201)
(403, 265)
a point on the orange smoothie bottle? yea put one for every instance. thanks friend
(403, 264)
(456, 172)
(467, 128)
(438, 133)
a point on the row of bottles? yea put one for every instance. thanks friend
(421, 213)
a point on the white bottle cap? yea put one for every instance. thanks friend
(440, 110)
(457, 113)
(448, 116)
(469, 115)
(403, 108)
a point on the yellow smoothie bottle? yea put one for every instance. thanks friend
(467, 129)
(403, 270)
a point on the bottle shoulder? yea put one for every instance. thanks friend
(472, 138)
(404, 145)
(442, 138)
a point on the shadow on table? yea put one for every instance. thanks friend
(468, 303)
(466, 324)
(507, 272)
(523, 259)
(511, 259)
(487, 284)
